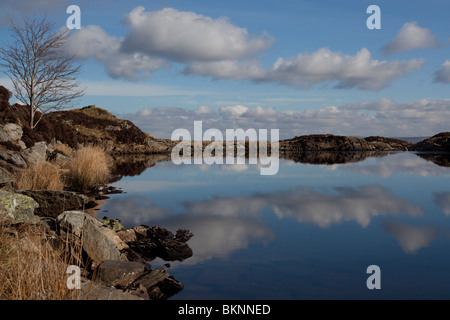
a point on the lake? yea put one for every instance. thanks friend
(308, 232)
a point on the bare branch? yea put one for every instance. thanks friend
(43, 77)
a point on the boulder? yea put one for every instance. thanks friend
(53, 203)
(120, 274)
(18, 207)
(13, 158)
(36, 153)
(152, 242)
(99, 242)
(14, 131)
(96, 291)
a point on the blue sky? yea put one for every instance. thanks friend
(298, 66)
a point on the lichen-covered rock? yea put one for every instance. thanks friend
(113, 224)
(17, 207)
(53, 203)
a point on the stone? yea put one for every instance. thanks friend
(17, 207)
(172, 249)
(13, 158)
(53, 203)
(127, 235)
(120, 274)
(152, 278)
(36, 153)
(96, 291)
(6, 177)
(14, 131)
(99, 242)
(183, 235)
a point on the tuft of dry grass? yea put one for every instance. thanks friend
(64, 148)
(89, 166)
(33, 266)
(41, 175)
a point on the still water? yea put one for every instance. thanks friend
(308, 232)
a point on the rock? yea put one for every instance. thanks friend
(17, 207)
(183, 235)
(14, 131)
(113, 224)
(152, 278)
(99, 242)
(329, 142)
(170, 287)
(146, 248)
(127, 235)
(439, 142)
(4, 137)
(6, 177)
(155, 242)
(172, 249)
(36, 153)
(95, 291)
(53, 203)
(13, 158)
(120, 274)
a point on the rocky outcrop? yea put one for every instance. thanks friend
(332, 143)
(116, 264)
(438, 143)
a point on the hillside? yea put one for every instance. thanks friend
(80, 127)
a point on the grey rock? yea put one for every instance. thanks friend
(14, 131)
(95, 291)
(36, 153)
(99, 242)
(120, 274)
(13, 158)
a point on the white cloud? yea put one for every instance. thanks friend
(411, 36)
(188, 36)
(358, 71)
(308, 206)
(443, 200)
(443, 74)
(380, 117)
(93, 41)
(411, 239)
(228, 69)
(305, 70)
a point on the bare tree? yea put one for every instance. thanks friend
(43, 76)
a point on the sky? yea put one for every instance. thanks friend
(303, 67)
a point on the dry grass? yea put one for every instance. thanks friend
(40, 176)
(89, 166)
(64, 148)
(33, 266)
